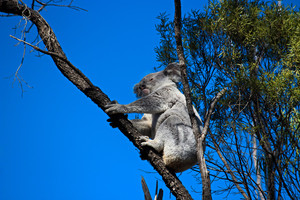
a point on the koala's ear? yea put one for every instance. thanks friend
(136, 90)
(173, 72)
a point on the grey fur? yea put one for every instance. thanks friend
(165, 119)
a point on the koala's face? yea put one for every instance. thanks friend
(150, 83)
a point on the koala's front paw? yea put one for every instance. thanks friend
(115, 108)
(143, 139)
(113, 122)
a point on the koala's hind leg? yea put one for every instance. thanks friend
(179, 151)
(155, 144)
(144, 125)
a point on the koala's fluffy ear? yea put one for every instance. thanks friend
(173, 72)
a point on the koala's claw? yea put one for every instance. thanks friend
(144, 144)
(114, 102)
(113, 122)
(110, 109)
(115, 108)
(143, 138)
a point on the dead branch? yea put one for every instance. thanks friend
(146, 191)
(43, 5)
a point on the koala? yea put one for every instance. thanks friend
(166, 124)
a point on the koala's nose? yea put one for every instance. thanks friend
(142, 87)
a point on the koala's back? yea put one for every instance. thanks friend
(173, 127)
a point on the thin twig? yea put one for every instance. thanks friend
(234, 179)
(17, 76)
(55, 55)
(57, 5)
(45, 52)
(38, 49)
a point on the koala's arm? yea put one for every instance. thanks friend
(156, 102)
(143, 125)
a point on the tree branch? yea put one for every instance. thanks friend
(210, 111)
(234, 179)
(206, 185)
(94, 93)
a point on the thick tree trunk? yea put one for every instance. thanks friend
(94, 93)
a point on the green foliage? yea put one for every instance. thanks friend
(166, 52)
(253, 48)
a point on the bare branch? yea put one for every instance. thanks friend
(43, 5)
(210, 111)
(46, 52)
(146, 190)
(234, 179)
(16, 75)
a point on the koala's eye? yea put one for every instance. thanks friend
(151, 79)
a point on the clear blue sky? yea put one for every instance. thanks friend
(54, 142)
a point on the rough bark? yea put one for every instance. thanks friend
(94, 93)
